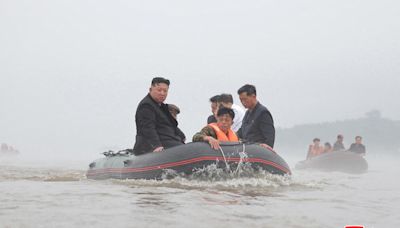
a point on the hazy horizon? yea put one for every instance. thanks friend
(72, 72)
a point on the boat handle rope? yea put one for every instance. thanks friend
(242, 155)
(223, 155)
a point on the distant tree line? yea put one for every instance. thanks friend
(379, 134)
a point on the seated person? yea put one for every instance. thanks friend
(221, 131)
(358, 147)
(4, 147)
(174, 110)
(339, 146)
(156, 128)
(258, 124)
(214, 106)
(226, 100)
(327, 148)
(315, 149)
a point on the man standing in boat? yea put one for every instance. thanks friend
(257, 124)
(156, 128)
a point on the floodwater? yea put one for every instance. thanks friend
(43, 194)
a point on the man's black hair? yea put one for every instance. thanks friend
(215, 99)
(249, 89)
(222, 111)
(158, 80)
(317, 139)
(358, 137)
(226, 98)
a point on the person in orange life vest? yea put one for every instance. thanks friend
(315, 149)
(221, 131)
(226, 100)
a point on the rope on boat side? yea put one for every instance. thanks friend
(243, 155)
(223, 155)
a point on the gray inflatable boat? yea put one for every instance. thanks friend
(342, 161)
(185, 159)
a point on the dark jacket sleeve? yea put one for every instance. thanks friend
(361, 149)
(147, 120)
(239, 133)
(266, 125)
(181, 134)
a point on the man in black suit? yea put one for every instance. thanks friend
(156, 128)
(358, 147)
(257, 124)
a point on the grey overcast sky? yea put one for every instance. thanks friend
(73, 71)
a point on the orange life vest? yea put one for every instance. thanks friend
(221, 136)
(315, 151)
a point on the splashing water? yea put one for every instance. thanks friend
(212, 196)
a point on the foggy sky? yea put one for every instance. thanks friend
(72, 72)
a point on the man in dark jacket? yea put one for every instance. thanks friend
(214, 108)
(156, 128)
(257, 124)
(339, 146)
(358, 147)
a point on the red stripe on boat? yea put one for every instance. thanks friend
(184, 162)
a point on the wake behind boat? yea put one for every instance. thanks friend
(186, 159)
(342, 161)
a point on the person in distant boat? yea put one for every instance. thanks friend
(214, 108)
(327, 148)
(258, 124)
(4, 147)
(174, 110)
(339, 146)
(226, 100)
(315, 149)
(358, 147)
(214, 133)
(156, 128)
